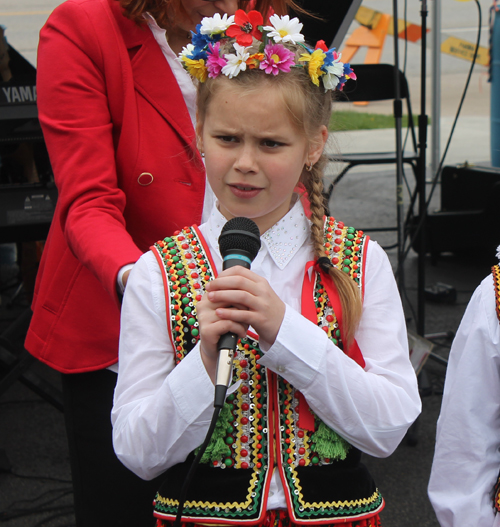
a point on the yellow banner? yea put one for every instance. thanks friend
(452, 46)
(465, 50)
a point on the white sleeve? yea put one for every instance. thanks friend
(160, 413)
(467, 459)
(373, 407)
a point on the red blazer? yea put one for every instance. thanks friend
(111, 110)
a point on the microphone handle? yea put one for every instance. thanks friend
(227, 342)
(227, 347)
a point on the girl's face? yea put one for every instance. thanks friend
(254, 154)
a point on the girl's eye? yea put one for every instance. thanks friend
(269, 143)
(227, 138)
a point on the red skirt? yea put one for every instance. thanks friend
(280, 518)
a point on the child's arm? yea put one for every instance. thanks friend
(372, 407)
(467, 457)
(160, 413)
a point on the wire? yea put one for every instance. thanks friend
(60, 514)
(194, 466)
(438, 172)
(47, 478)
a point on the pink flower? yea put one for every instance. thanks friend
(215, 62)
(277, 58)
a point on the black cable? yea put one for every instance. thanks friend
(54, 517)
(438, 172)
(46, 478)
(14, 507)
(194, 466)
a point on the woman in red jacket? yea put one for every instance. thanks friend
(117, 112)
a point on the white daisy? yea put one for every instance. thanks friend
(216, 24)
(236, 63)
(187, 50)
(284, 29)
(333, 73)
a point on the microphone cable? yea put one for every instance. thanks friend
(194, 466)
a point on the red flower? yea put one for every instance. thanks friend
(246, 26)
(321, 45)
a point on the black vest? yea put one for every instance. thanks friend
(260, 427)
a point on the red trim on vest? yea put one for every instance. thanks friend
(166, 291)
(206, 249)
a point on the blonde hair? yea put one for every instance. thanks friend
(309, 108)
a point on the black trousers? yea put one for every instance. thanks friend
(106, 493)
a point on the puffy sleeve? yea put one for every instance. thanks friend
(160, 413)
(467, 456)
(371, 407)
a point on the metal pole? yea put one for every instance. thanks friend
(398, 114)
(436, 87)
(422, 135)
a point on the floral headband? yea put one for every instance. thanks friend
(203, 57)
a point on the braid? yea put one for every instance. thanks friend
(314, 187)
(350, 299)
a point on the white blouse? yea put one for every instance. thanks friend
(467, 456)
(162, 413)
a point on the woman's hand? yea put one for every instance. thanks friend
(235, 300)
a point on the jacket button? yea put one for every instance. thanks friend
(145, 179)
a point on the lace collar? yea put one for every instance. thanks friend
(281, 241)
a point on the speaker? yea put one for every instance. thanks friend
(469, 219)
(466, 187)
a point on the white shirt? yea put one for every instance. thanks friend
(162, 413)
(467, 456)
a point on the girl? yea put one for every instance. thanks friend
(321, 371)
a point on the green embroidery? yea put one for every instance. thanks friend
(217, 447)
(329, 444)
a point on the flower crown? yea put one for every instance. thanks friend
(203, 57)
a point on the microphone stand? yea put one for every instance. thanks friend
(398, 115)
(421, 168)
(422, 138)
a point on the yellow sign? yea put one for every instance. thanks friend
(368, 17)
(465, 50)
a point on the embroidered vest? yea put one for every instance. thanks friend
(496, 281)
(266, 423)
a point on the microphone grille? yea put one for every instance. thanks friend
(241, 234)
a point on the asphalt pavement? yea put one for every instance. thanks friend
(35, 484)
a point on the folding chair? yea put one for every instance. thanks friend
(375, 82)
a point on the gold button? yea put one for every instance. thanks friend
(145, 179)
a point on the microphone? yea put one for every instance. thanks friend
(239, 243)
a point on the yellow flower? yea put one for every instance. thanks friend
(196, 68)
(316, 59)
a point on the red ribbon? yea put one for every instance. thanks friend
(306, 419)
